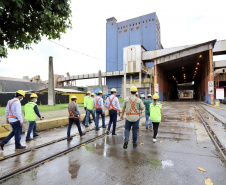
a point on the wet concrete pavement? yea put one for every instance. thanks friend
(183, 145)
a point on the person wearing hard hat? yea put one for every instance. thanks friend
(155, 115)
(31, 113)
(85, 107)
(98, 104)
(132, 105)
(89, 109)
(147, 103)
(14, 118)
(74, 117)
(112, 104)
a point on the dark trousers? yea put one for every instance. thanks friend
(77, 122)
(98, 113)
(113, 119)
(128, 126)
(17, 130)
(32, 127)
(155, 128)
(84, 120)
(88, 112)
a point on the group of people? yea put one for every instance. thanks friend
(132, 106)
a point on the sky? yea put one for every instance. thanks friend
(182, 23)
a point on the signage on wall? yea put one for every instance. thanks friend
(210, 87)
(220, 93)
(157, 88)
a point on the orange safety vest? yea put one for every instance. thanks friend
(132, 108)
(111, 105)
(71, 114)
(97, 105)
(10, 114)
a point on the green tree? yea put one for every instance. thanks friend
(23, 22)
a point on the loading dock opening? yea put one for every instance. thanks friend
(194, 63)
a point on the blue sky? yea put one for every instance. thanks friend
(182, 23)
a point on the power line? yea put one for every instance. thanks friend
(73, 50)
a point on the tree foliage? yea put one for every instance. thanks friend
(23, 22)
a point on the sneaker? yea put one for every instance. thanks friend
(154, 140)
(103, 127)
(90, 122)
(21, 148)
(36, 135)
(2, 146)
(97, 129)
(86, 125)
(29, 139)
(107, 132)
(114, 134)
(69, 138)
(134, 145)
(125, 145)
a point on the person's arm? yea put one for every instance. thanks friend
(141, 105)
(117, 104)
(7, 112)
(123, 110)
(94, 104)
(102, 105)
(106, 103)
(77, 109)
(37, 111)
(18, 113)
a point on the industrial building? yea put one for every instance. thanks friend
(143, 30)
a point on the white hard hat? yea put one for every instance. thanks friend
(149, 95)
(136, 93)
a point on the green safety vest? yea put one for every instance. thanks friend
(85, 100)
(155, 112)
(30, 114)
(90, 103)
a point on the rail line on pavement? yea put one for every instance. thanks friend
(47, 159)
(212, 135)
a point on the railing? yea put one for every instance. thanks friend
(147, 69)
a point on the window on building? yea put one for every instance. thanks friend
(133, 24)
(149, 20)
(143, 21)
(126, 25)
(132, 29)
(136, 23)
(152, 19)
(150, 26)
(119, 32)
(112, 24)
(123, 26)
(130, 25)
(138, 27)
(139, 22)
(146, 21)
(125, 31)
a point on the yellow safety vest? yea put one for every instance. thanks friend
(155, 112)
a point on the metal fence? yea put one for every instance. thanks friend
(42, 99)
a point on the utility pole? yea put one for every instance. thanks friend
(124, 81)
(51, 94)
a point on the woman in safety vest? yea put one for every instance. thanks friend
(155, 115)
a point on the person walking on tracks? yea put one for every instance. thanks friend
(99, 109)
(132, 105)
(74, 117)
(112, 104)
(31, 111)
(14, 117)
(89, 109)
(155, 115)
(85, 107)
(147, 103)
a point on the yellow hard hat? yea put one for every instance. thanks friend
(73, 97)
(113, 90)
(21, 92)
(33, 95)
(92, 94)
(133, 89)
(155, 96)
(88, 92)
(100, 92)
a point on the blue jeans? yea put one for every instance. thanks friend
(83, 121)
(88, 112)
(17, 130)
(98, 113)
(77, 122)
(135, 129)
(113, 119)
(32, 126)
(147, 118)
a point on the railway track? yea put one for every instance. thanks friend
(211, 133)
(49, 158)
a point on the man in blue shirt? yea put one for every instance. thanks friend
(147, 110)
(14, 118)
(98, 104)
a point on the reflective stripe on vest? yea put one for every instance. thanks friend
(97, 105)
(132, 107)
(10, 114)
(71, 114)
(110, 107)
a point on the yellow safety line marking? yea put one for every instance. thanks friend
(213, 106)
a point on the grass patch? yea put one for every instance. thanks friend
(43, 108)
(120, 100)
